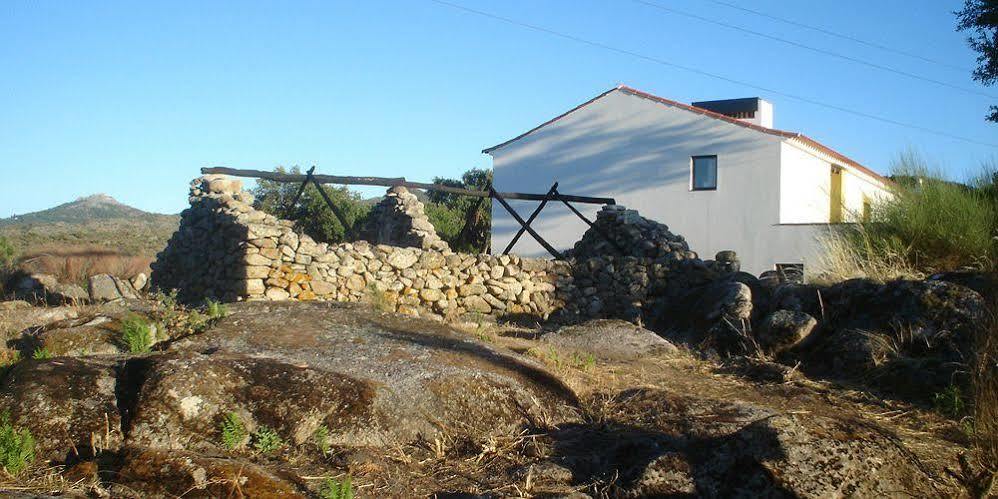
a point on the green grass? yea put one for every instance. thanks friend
(233, 431)
(266, 440)
(136, 334)
(932, 224)
(215, 310)
(41, 353)
(322, 440)
(17, 446)
(950, 402)
(336, 489)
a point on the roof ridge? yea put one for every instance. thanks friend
(710, 114)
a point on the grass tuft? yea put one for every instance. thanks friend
(41, 353)
(136, 334)
(336, 489)
(17, 446)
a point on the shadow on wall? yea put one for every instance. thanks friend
(627, 162)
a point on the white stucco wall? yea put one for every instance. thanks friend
(805, 187)
(638, 152)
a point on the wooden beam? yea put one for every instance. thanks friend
(532, 232)
(530, 219)
(391, 182)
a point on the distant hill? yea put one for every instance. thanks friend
(95, 221)
(84, 210)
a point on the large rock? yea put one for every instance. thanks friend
(185, 398)
(104, 287)
(609, 339)
(159, 473)
(313, 360)
(45, 288)
(662, 444)
(911, 336)
(65, 402)
(784, 329)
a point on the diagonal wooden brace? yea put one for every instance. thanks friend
(530, 219)
(523, 224)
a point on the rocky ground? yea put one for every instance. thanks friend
(285, 399)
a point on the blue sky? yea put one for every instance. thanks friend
(132, 99)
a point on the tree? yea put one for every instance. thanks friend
(311, 213)
(980, 18)
(474, 214)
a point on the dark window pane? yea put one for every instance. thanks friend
(704, 172)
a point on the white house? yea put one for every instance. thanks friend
(715, 172)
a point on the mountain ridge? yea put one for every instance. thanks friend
(85, 209)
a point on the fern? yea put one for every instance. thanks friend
(266, 440)
(136, 334)
(332, 489)
(17, 446)
(233, 431)
(322, 439)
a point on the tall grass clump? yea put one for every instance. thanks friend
(930, 224)
(984, 379)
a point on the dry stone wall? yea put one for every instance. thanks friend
(226, 249)
(625, 266)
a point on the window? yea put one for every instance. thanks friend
(703, 173)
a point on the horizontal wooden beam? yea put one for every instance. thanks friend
(391, 182)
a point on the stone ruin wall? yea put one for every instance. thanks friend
(623, 267)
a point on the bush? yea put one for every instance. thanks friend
(463, 221)
(930, 225)
(17, 446)
(333, 489)
(136, 334)
(233, 431)
(7, 253)
(310, 213)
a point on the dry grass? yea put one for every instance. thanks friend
(74, 264)
(848, 257)
(985, 380)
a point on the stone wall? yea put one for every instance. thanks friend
(625, 266)
(226, 249)
(399, 220)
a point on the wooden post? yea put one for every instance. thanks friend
(530, 219)
(523, 224)
(301, 189)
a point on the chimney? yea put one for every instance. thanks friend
(750, 109)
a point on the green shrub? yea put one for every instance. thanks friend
(41, 353)
(266, 440)
(931, 224)
(334, 489)
(233, 431)
(136, 334)
(17, 446)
